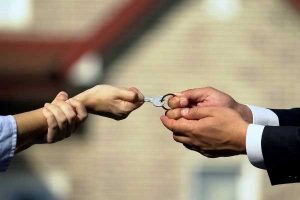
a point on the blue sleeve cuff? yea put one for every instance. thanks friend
(8, 140)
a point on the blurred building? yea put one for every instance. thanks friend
(249, 49)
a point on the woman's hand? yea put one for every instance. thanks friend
(109, 101)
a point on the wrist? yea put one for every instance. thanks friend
(30, 125)
(242, 137)
(84, 98)
(244, 112)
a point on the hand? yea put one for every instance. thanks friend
(63, 117)
(211, 131)
(112, 102)
(205, 97)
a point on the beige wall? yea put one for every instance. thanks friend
(72, 17)
(254, 57)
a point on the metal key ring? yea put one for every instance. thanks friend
(164, 98)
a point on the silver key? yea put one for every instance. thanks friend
(159, 101)
(156, 101)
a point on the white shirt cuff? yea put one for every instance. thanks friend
(253, 145)
(263, 116)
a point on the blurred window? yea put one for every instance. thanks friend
(215, 184)
(15, 14)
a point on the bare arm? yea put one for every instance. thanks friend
(54, 122)
(30, 126)
(104, 100)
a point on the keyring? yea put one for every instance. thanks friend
(163, 99)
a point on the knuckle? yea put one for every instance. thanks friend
(210, 88)
(76, 102)
(53, 126)
(64, 120)
(50, 139)
(83, 117)
(57, 103)
(125, 109)
(195, 110)
(73, 116)
(50, 116)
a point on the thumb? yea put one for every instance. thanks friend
(196, 94)
(138, 92)
(61, 96)
(128, 95)
(196, 112)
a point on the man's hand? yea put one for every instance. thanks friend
(212, 131)
(206, 97)
(112, 102)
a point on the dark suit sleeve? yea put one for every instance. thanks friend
(281, 152)
(288, 117)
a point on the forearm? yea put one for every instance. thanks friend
(30, 126)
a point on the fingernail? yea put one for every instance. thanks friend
(185, 111)
(46, 104)
(63, 94)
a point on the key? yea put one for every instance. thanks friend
(156, 101)
(159, 101)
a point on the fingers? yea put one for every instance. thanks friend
(182, 139)
(62, 120)
(197, 94)
(174, 114)
(63, 117)
(178, 101)
(67, 109)
(140, 95)
(52, 125)
(79, 108)
(181, 125)
(61, 96)
(127, 107)
(128, 95)
(131, 99)
(191, 147)
(197, 113)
